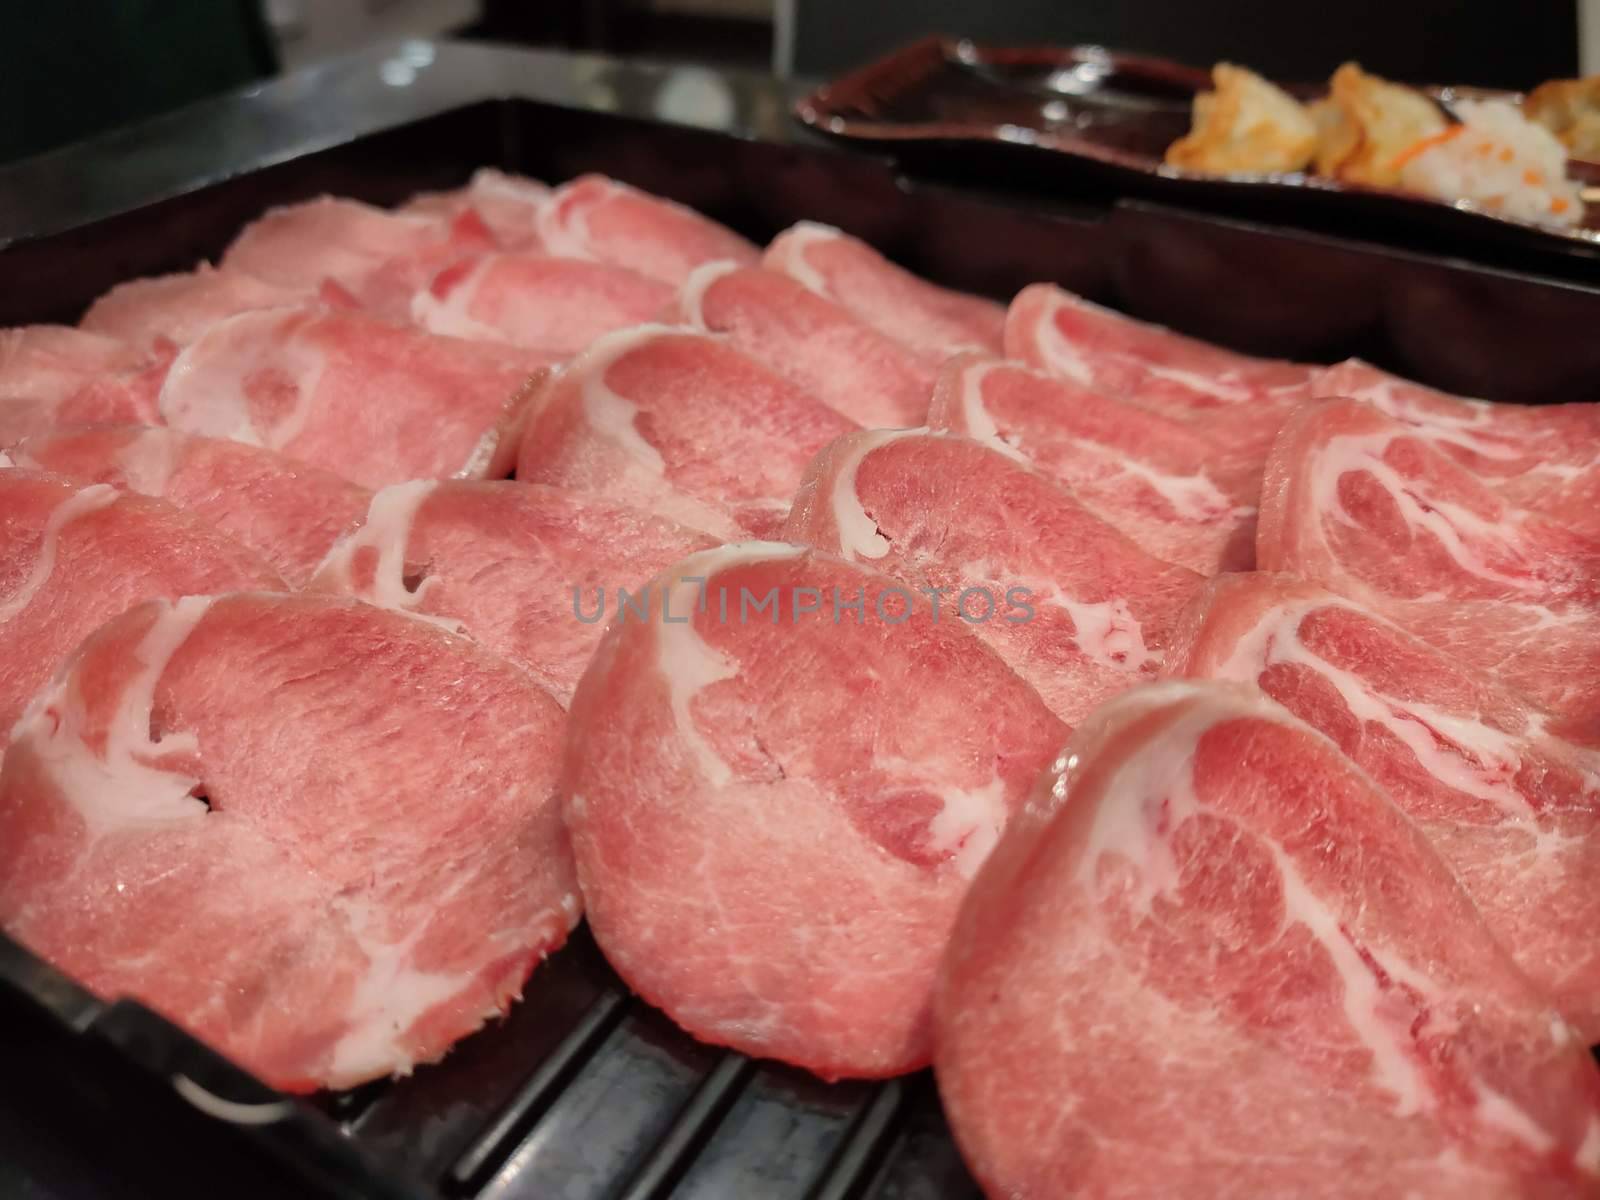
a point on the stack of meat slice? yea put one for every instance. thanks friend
(1185, 493)
(806, 735)
(508, 204)
(933, 321)
(1076, 608)
(813, 342)
(523, 569)
(72, 556)
(320, 835)
(1211, 958)
(287, 511)
(679, 423)
(288, 666)
(1371, 507)
(1545, 457)
(52, 375)
(373, 401)
(1513, 808)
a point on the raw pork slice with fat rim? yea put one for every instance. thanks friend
(556, 305)
(811, 341)
(1544, 457)
(73, 556)
(601, 219)
(524, 570)
(680, 423)
(1211, 959)
(1513, 809)
(176, 309)
(1238, 399)
(775, 815)
(508, 204)
(371, 401)
(1369, 507)
(321, 836)
(1074, 606)
(287, 511)
(1177, 490)
(378, 258)
(936, 322)
(1362, 502)
(53, 376)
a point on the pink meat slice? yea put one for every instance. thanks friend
(524, 570)
(1234, 398)
(1074, 606)
(1363, 503)
(286, 511)
(508, 204)
(176, 309)
(934, 321)
(1513, 809)
(321, 836)
(341, 390)
(814, 343)
(1543, 457)
(52, 376)
(774, 822)
(679, 423)
(1179, 491)
(606, 221)
(1211, 959)
(72, 556)
(554, 305)
(380, 258)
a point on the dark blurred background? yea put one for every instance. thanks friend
(78, 66)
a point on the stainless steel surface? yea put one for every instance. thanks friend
(345, 98)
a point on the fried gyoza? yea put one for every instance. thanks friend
(1246, 124)
(1570, 109)
(1367, 123)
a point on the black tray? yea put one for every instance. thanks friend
(583, 1091)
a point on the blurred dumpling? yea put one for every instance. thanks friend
(1570, 109)
(1245, 124)
(1367, 123)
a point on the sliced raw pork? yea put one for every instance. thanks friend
(1514, 810)
(600, 219)
(321, 836)
(1177, 490)
(935, 321)
(524, 570)
(52, 376)
(1363, 503)
(177, 309)
(380, 258)
(288, 512)
(1371, 508)
(556, 305)
(679, 423)
(1066, 335)
(374, 402)
(776, 814)
(1211, 959)
(508, 204)
(1545, 457)
(813, 342)
(72, 556)
(1077, 609)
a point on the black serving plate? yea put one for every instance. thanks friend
(583, 1091)
(1074, 111)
